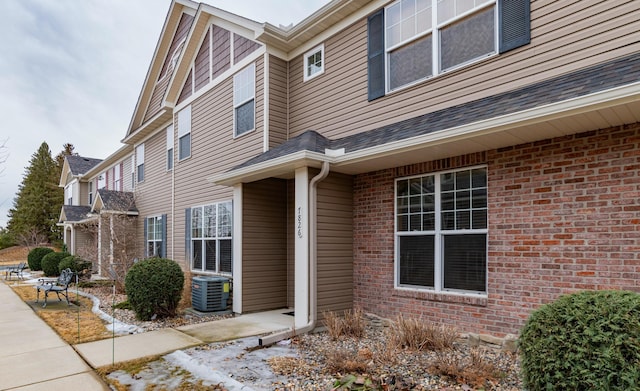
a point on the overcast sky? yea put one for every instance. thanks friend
(71, 72)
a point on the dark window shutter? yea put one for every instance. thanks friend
(187, 235)
(146, 244)
(163, 249)
(375, 52)
(514, 24)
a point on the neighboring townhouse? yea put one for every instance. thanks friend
(459, 161)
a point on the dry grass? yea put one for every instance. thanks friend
(75, 324)
(342, 361)
(287, 366)
(351, 324)
(13, 255)
(473, 370)
(415, 334)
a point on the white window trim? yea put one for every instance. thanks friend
(90, 192)
(216, 238)
(435, 31)
(251, 68)
(157, 218)
(438, 272)
(140, 162)
(170, 147)
(117, 177)
(184, 129)
(102, 180)
(133, 171)
(319, 48)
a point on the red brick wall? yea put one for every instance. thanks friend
(564, 215)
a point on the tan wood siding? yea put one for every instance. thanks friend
(181, 32)
(187, 89)
(335, 243)
(565, 36)
(156, 99)
(264, 253)
(201, 64)
(242, 47)
(221, 51)
(277, 101)
(213, 150)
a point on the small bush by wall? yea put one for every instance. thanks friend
(34, 258)
(154, 287)
(77, 265)
(51, 262)
(583, 341)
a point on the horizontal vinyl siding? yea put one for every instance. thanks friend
(213, 150)
(565, 36)
(153, 195)
(264, 241)
(83, 193)
(335, 243)
(277, 101)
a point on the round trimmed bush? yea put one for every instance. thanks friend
(583, 341)
(154, 287)
(51, 262)
(76, 264)
(34, 258)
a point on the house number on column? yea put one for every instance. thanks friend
(299, 222)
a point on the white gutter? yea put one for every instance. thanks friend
(313, 265)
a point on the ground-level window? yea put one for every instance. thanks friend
(155, 227)
(441, 231)
(211, 239)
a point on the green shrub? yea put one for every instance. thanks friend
(77, 265)
(50, 263)
(34, 258)
(154, 287)
(583, 341)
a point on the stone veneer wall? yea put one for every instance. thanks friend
(564, 215)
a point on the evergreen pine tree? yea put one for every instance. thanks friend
(36, 208)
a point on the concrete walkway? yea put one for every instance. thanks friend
(33, 357)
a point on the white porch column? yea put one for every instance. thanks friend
(72, 234)
(301, 243)
(237, 249)
(100, 244)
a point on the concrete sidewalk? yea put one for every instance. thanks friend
(33, 357)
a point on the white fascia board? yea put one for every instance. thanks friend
(298, 159)
(619, 95)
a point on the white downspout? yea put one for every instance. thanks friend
(313, 265)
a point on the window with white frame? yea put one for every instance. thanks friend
(90, 186)
(155, 236)
(211, 239)
(184, 133)
(441, 231)
(427, 37)
(116, 177)
(68, 194)
(102, 181)
(170, 148)
(133, 171)
(140, 162)
(314, 62)
(244, 91)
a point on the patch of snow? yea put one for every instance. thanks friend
(203, 372)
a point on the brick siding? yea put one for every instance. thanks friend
(564, 215)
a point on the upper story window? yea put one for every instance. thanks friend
(68, 195)
(184, 133)
(102, 181)
(133, 171)
(314, 63)
(117, 177)
(441, 231)
(244, 91)
(426, 37)
(140, 162)
(90, 188)
(170, 148)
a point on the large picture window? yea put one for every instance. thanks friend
(427, 37)
(211, 239)
(244, 91)
(441, 231)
